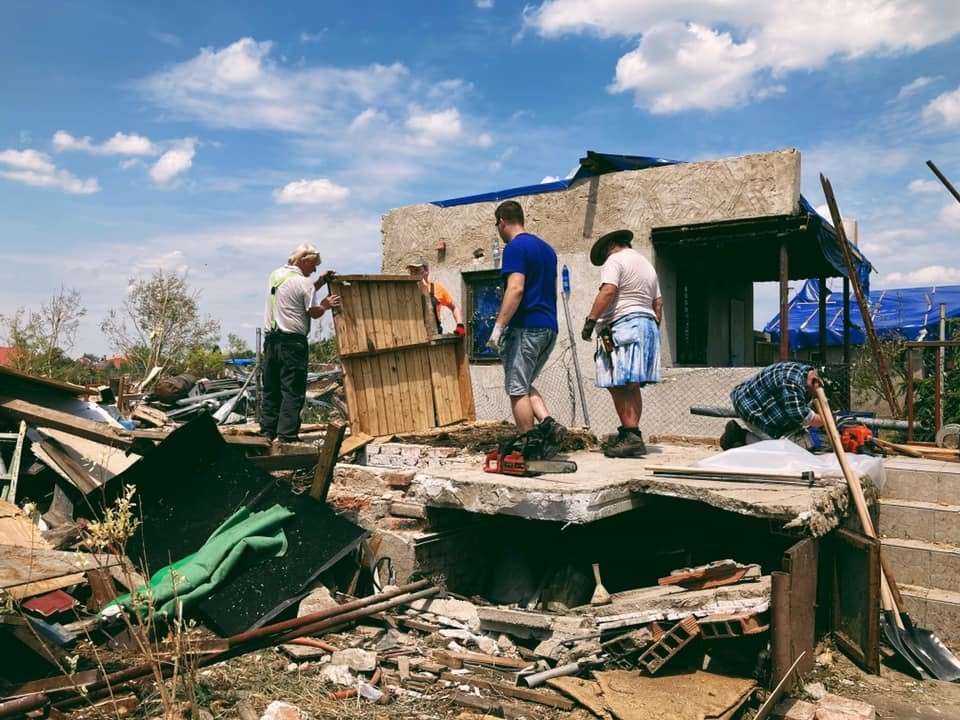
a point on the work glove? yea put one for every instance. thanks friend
(493, 342)
(460, 330)
(588, 326)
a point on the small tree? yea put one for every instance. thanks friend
(159, 322)
(237, 347)
(42, 339)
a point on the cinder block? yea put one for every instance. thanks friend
(794, 709)
(834, 707)
(390, 449)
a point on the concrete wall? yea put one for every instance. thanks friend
(571, 220)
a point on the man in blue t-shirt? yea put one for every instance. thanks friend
(526, 327)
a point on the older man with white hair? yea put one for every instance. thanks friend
(290, 307)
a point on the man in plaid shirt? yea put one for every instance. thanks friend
(776, 402)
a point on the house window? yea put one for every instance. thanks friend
(692, 312)
(484, 294)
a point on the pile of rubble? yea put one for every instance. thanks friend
(236, 551)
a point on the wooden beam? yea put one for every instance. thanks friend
(72, 424)
(784, 300)
(326, 461)
(883, 369)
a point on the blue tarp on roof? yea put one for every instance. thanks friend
(908, 312)
(595, 164)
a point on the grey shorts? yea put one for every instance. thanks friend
(525, 352)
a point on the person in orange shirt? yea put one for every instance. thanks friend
(439, 295)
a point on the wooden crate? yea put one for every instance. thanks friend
(399, 376)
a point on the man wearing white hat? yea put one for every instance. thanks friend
(627, 311)
(290, 307)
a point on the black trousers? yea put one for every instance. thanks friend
(284, 384)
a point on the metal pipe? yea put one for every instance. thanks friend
(943, 178)
(22, 705)
(565, 274)
(268, 635)
(540, 678)
(941, 357)
(910, 395)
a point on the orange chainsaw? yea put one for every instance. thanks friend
(513, 463)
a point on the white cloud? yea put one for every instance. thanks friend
(174, 162)
(549, 179)
(306, 38)
(166, 38)
(944, 109)
(950, 215)
(483, 140)
(924, 186)
(241, 86)
(723, 54)
(31, 167)
(484, 4)
(929, 275)
(311, 192)
(431, 128)
(365, 118)
(119, 144)
(717, 71)
(911, 88)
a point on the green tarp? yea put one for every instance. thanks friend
(243, 537)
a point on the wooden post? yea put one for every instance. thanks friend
(784, 300)
(822, 311)
(883, 369)
(326, 461)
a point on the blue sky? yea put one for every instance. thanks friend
(210, 138)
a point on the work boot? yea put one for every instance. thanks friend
(552, 434)
(611, 439)
(630, 445)
(733, 436)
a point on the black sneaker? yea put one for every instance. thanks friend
(733, 436)
(629, 445)
(553, 434)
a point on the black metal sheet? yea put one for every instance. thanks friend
(190, 484)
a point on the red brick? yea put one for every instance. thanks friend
(793, 709)
(400, 478)
(834, 707)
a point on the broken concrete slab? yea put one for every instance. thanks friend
(603, 487)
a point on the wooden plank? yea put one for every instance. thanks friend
(326, 461)
(424, 415)
(801, 562)
(74, 471)
(405, 393)
(350, 395)
(496, 661)
(389, 383)
(464, 381)
(443, 375)
(42, 383)
(354, 442)
(542, 697)
(79, 426)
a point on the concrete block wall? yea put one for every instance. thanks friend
(919, 524)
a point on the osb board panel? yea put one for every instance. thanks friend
(378, 313)
(390, 392)
(570, 220)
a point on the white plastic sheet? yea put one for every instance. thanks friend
(783, 456)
